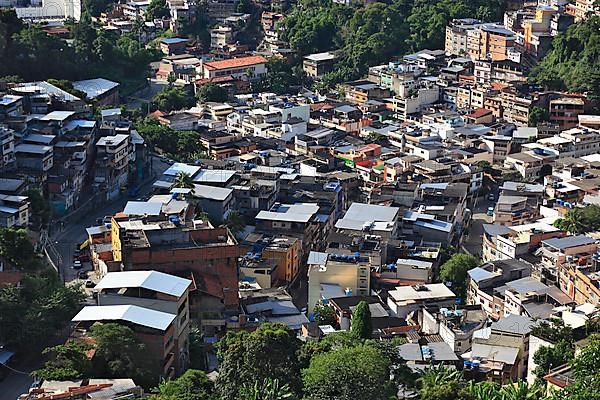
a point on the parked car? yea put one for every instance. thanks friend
(77, 264)
(89, 284)
(490, 211)
(82, 275)
(491, 197)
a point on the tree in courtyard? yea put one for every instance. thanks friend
(361, 325)
(235, 222)
(68, 362)
(537, 115)
(324, 314)
(548, 357)
(348, 373)
(455, 270)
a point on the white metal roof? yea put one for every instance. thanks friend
(213, 175)
(95, 87)
(142, 208)
(57, 116)
(151, 280)
(432, 291)
(181, 167)
(211, 192)
(134, 314)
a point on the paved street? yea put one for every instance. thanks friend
(473, 242)
(74, 232)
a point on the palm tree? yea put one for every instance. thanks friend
(484, 390)
(269, 389)
(437, 376)
(573, 222)
(183, 180)
(522, 391)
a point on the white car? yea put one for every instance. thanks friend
(77, 264)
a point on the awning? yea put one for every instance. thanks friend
(85, 244)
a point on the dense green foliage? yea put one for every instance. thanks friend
(157, 9)
(179, 145)
(211, 92)
(172, 99)
(580, 220)
(17, 250)
(359, 372)
(547, 357)
(324, 314)
(537, 115)
(119, 353)
(373, 34)
(68, 362)
(39, 306)
(192, 385)
(27, 51)
(455, 271)
(361, 325)
(280, 77)
(269, 389)
(268, 352)
(573, 63)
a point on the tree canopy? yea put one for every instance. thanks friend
(359, 372)
(372, 34)
(580, 220)
(211, 92)
(268, 352)
(68, 362)
(192, 385)
(41, 304)
(573, 63)
(179, 145)
(361, 325)
(455, 271)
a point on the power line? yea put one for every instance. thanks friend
(16, 370)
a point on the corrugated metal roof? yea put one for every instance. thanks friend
(142, 208)
(569, 241)
(151, 280)
(134, 314)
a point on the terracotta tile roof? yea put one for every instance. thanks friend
(76, 392)
(235, 63)
(216, 79)
(480, 112)
(498, 86)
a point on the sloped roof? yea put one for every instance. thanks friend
(134, 314)
(151, 280)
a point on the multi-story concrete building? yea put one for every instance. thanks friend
(156, 291)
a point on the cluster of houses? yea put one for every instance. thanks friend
(51, 143)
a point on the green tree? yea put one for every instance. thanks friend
(269, 389)
(68, 362)
(18, 251)
(244, 6)
(324, 314)
(586, 366)
(192, 385)
(455, 271)
(442, 383)
(197, 352)
(361, 325)
(573, 222)
(573, 61)
(172, 99)
(268, 352)
(211, 92)
(157, 9)
(359, 372)
(41, 304)
(120, 353)
(280, 77)
(537, 115)
(183, 180)
(548, 357)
